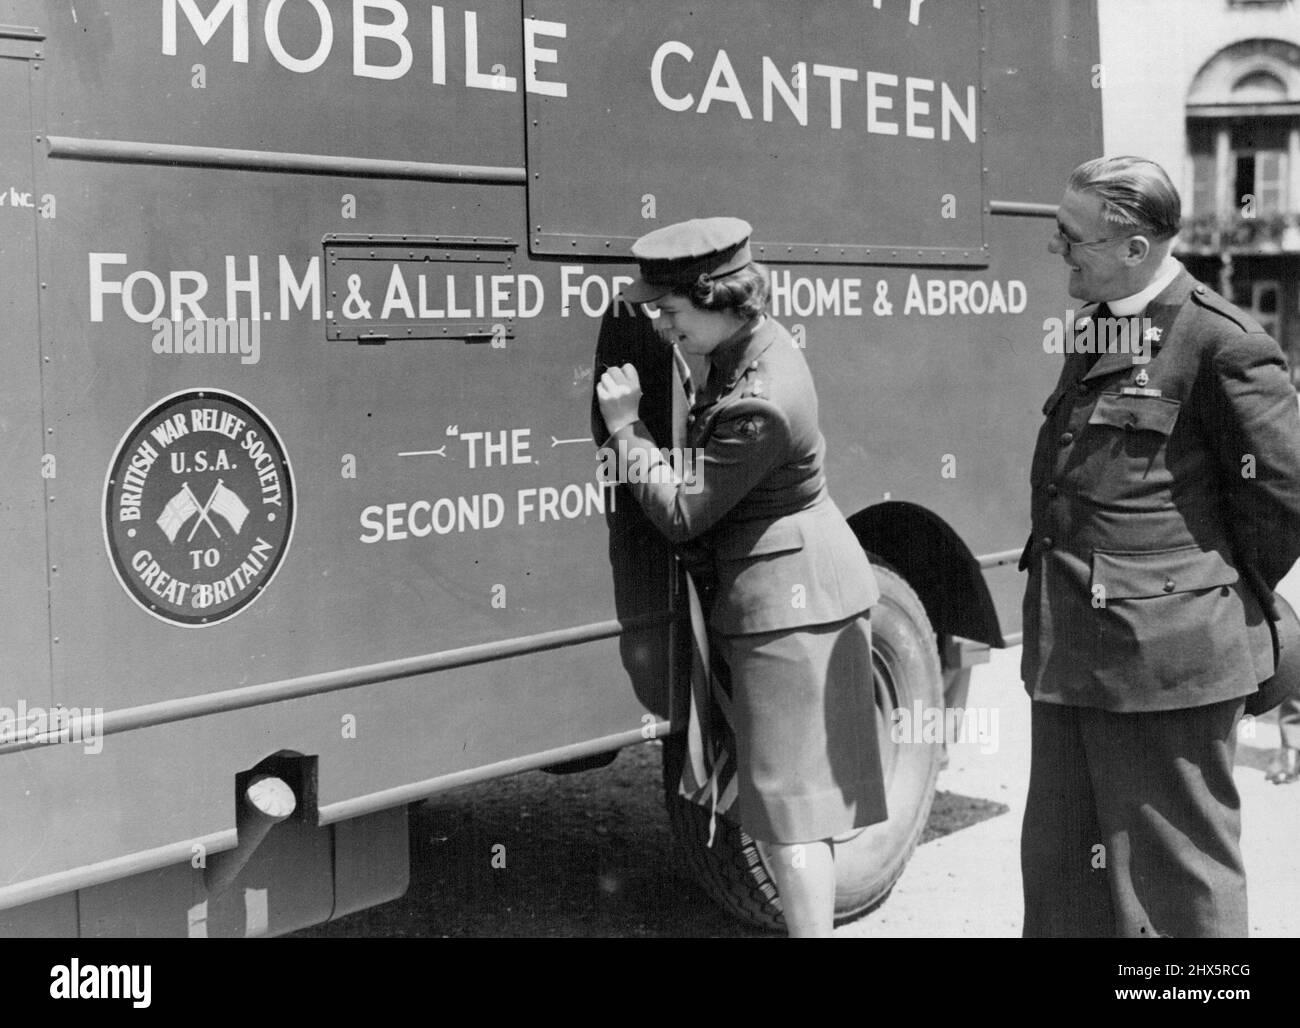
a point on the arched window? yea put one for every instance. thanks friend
(1243, 134)
(1242, 183)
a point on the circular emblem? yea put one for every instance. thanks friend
(198, 507)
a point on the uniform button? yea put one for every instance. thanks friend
(1130, 425)
(1082, 387)
(690, 419)
(1047, 542)
(1053, 490)
(1169, 585)
(1067, 438)
(753, 364)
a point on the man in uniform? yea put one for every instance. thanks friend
(1165, 508)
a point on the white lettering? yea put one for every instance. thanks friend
(286, 60)
(394, 32)
(206, 28)
(533, 55)
(473, 77)
(684, 103)
(876, 102)
(774, 81)
(836, 75)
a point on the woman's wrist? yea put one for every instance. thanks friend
(621, 423)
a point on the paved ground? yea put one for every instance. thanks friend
(967, 883)
(591, 854)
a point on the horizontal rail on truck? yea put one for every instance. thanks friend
(997, 560)
(184, 708)
(1028, 210)
(122, 151)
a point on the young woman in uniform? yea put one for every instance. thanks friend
(793, 586)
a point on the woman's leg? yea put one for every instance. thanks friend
(805, 878)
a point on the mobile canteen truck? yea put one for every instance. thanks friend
(301, 302)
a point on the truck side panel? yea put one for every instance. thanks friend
(416, 307)
(449, 534)
(24, 611)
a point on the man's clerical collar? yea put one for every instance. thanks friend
(1129, 306)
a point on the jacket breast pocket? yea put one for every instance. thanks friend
(1128, 437)
(1133, 413)
(759, 539)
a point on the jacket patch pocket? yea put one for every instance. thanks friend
(759, 539)
(1132, 576)
(1135, 413)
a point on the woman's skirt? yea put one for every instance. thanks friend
(804, 717)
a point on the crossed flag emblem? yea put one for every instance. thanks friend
(184, 505)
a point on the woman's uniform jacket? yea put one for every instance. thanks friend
(756, 500)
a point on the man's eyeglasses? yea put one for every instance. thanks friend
(1071, 244)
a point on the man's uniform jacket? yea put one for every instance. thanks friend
(1166, 507)
(782, 553)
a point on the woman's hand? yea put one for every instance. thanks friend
(619, 395)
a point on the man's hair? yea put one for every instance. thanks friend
(744, 291)
(1135, 193)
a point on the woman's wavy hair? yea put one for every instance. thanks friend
(744, 291)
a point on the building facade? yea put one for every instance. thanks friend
(1211, 90)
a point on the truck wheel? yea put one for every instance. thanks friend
(905, 670)
(732, 871)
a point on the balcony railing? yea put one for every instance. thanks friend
(1210, 233)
